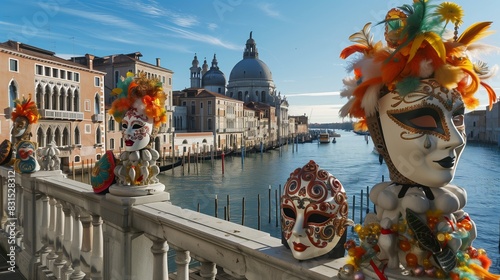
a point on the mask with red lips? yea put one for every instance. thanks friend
(424, 132)
(136, 130)
(313, 212)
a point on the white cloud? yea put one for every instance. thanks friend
(328, 93)
(269, 10)
(102, 18)
(194, 36)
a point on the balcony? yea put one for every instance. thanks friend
(64, 230)
(61, 115)
(97, 117)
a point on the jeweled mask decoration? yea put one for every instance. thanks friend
(411, 93)
(25, 114)
(423, 134)
(140, 108)
(313, 212)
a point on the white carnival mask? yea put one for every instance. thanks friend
(313, 212)
(136, 130)
(424, 132)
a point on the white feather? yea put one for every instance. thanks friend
(426, 69)
(370, 99)
(344, 111)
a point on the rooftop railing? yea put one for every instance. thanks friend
(61, 229)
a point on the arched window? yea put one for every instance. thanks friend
(263, 96)
(112, 143)
(55, 98)
(97, 157)
(40, 137)
(111, 124)
(48, 97)
(62, 99)
(98, 136)
(184, 141)
(76, 101)
(39, 97)
(12, 94)
(77, 158)
(77, 136)
(97, 104)
(49, 136)
(68, 100)
(209, 124)
(57, 136)
(65, 137)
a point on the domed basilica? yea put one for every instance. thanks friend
(250, 80)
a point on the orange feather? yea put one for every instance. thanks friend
(475, 32)
(352, 49)
(491, 94)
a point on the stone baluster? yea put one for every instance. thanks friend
(208, 270)
(76, 243)
(68, 237)
(86, 250)
(51, 257)
(182, 260)
(60, 261)
(160, 262)
(44, 230)
(97, 249)
(3, 202)
(19, 216)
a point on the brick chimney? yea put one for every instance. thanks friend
(158, 61)
(90, 61)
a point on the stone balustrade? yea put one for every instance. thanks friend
(62, 230)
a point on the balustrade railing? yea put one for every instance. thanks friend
(62, 230)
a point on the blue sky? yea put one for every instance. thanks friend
(299, 41)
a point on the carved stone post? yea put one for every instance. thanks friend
(60, 261)
(160, 262)
(86, 242)
(44, 229)
(97, 249)
(182, 259)
(126, 251)
(76, 246)
(52, 256)
(208, 270)
(68, 237)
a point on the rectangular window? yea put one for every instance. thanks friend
(63, 74)
(88, 128)
(70, 75)
(76, 77)
(112, 144)
(209, 105)
(193, 108)
(13, 65)
(48, 71)
(169, 81)
(55, 73)
(39, 69)
(86, 105)
(97, 81)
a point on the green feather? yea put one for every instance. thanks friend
(407, 85)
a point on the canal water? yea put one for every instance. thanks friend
(351, 159)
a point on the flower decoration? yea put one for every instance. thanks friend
(141, 93)
(102, 173)
(26, 108)
(415, 49)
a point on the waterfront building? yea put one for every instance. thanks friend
(116, 66)
(208, 111)
(250, 81)
(69, 96)
(483, 125)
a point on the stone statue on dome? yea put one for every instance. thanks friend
(140, 108)
(411, 94)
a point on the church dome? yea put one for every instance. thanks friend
(213, 77)
(250, 68)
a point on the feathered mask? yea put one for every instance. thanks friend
(145, 95)
(26, 108)
(415, 49)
